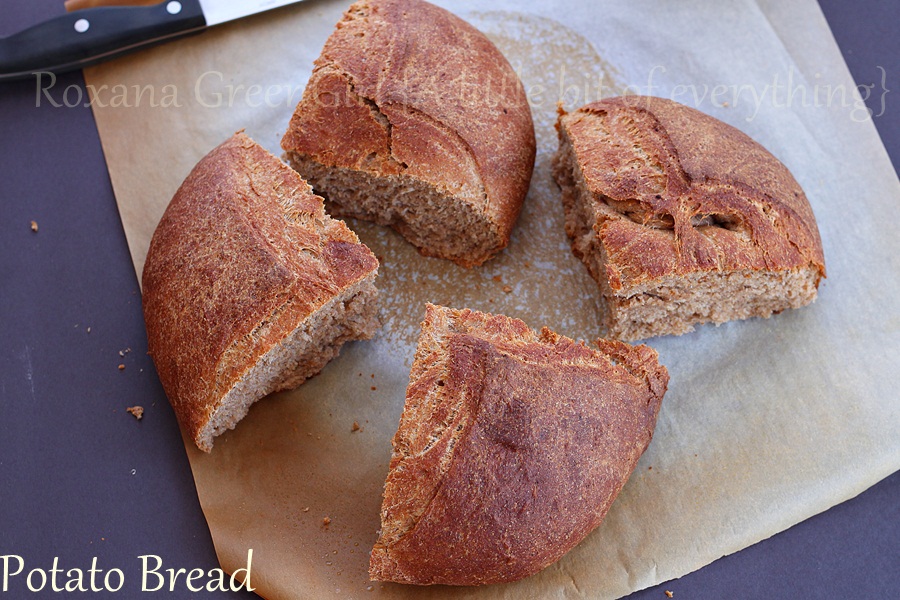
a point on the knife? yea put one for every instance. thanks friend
(92, 35)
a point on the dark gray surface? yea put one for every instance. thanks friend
(867, 34)
(81, 478)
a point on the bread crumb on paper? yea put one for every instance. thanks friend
(137, 411)
(355, 426)
(326, 521)
(506, 289)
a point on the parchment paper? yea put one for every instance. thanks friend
(766, 422)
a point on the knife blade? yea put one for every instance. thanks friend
(93, 35)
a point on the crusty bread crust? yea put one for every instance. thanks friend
(672, 193)
(511, 448)
(407, 91)
(243, 256)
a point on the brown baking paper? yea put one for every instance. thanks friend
(766, 422)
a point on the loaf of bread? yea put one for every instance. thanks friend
(511, 448)
(249, 287)
(412, 118)
(682, 219)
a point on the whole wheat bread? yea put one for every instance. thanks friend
(511, 448)
(412, 118)
(681, 218)
(249, 287)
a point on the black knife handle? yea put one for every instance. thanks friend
(91, 35)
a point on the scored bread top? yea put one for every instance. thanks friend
(511, 447)
(405, 87)
(686, 192)
(243, 254)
